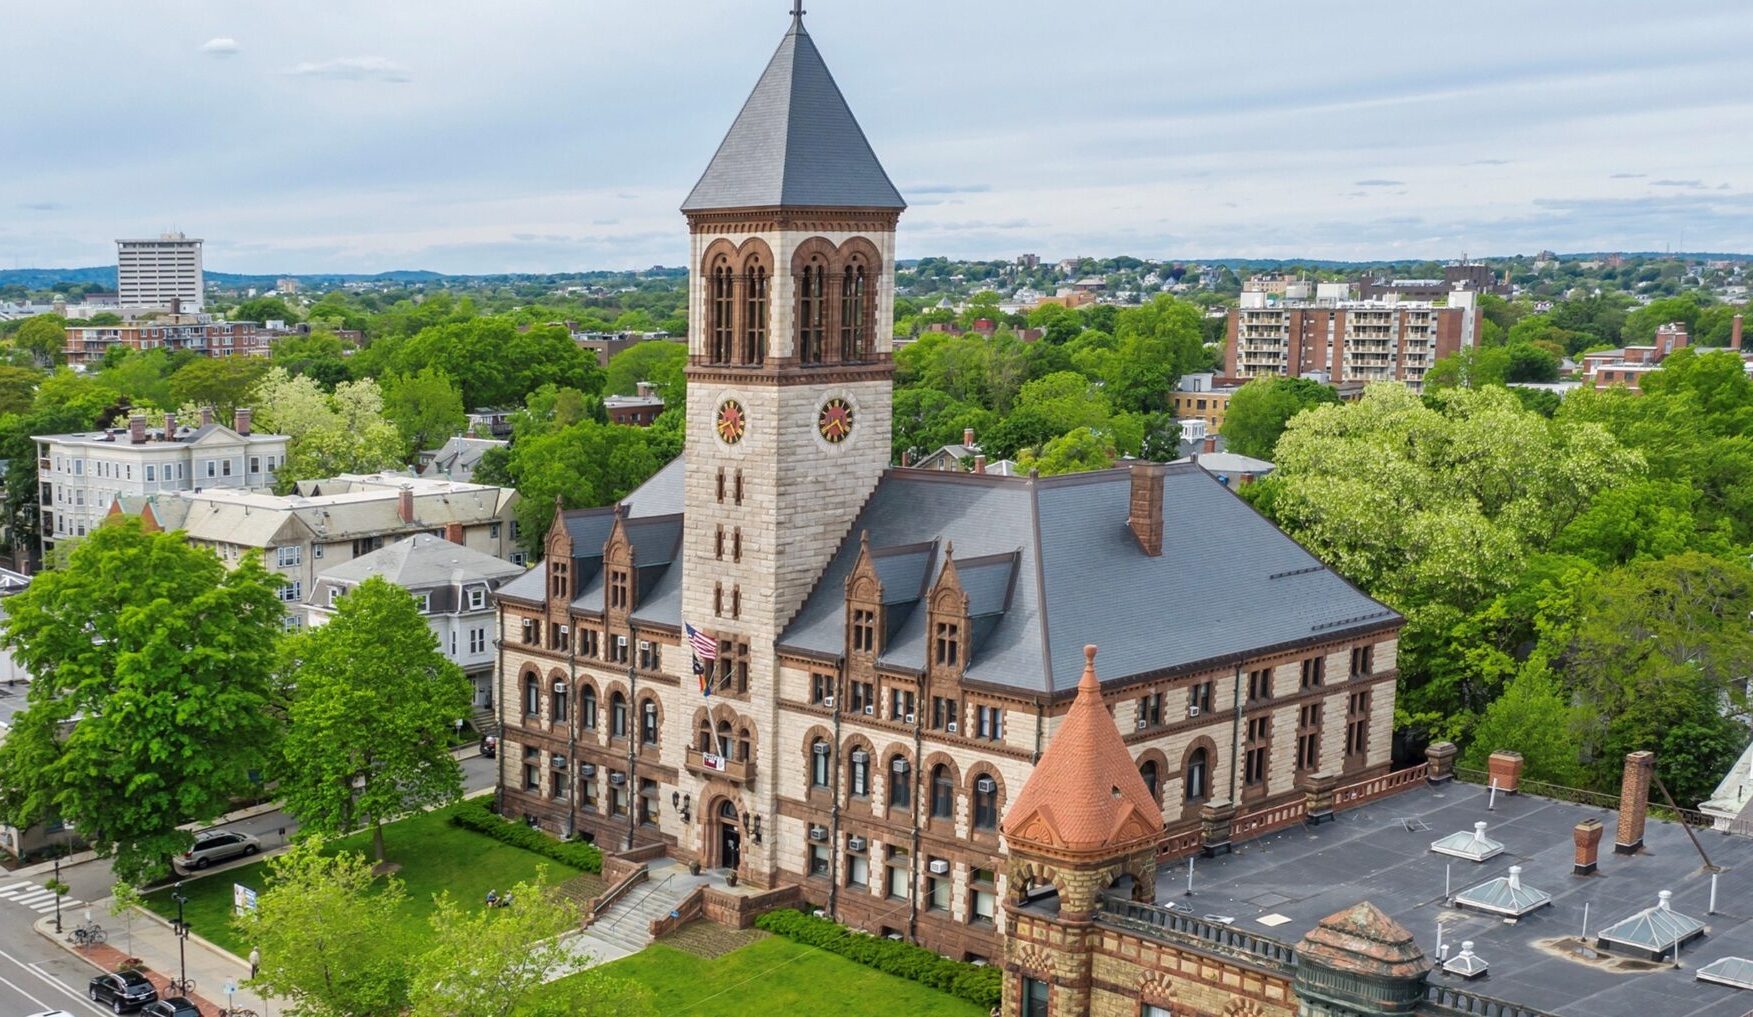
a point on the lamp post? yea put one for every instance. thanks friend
(58, 893)
(182, 930)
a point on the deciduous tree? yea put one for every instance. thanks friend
(1259, 410)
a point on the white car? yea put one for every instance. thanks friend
(217, 846)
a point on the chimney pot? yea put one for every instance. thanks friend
(1586, 835)
(968, 436)
(1634, 801)
(980, 463)
(1145, 511)
(1505, 768)
(240, 420)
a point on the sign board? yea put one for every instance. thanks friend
(243, 899)
(712, 762)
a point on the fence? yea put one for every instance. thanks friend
(1460, 1001)
(1167, 923)
(1583, 796)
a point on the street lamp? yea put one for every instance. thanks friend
(182, 930)
(58, 892)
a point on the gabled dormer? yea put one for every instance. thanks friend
(557, 553)
(620, 591)
(866, 626)
(947, 627)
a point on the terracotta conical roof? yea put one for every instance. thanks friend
(1085, 796)
(1363, 940)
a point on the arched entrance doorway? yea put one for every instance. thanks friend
(729, 835)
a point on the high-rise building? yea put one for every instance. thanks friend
(164, 273)
(1347, 340)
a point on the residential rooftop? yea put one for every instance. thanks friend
(1281, 885)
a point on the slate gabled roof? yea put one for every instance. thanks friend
(795, 143)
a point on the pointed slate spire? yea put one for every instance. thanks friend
(795, 143)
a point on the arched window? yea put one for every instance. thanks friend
(985, 802)
(705, 741)
(819, 763)
(1197, 765)
(723, 292)
(557, 703)
(617, 715)
(532, 695)
(754, 312)
(943, 793)
(587, 707)
(854, 298)
(648, 721)
(858, 774)
(745, 743)
(900, 793)
(724, 739)
(812, 311)
(1148, 772)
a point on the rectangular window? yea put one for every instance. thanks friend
(650, 656)
(900, 868)
(937, 892)
(587, 642)
(901, 705)
(1308, 741)
(225, 467)
(982, 896)
(1199, 699)
(948, 644)
(818, 861)
(255, 464)
(1357, 725)
(821, 687)
(532, 778)
(863, 631)
(718, 543)
(477, 598)
(857, 870)
(212, 468)
(477, 640)
(1314, 672)
(1260, 685)
(739, 487)
(943, 713)
(423, 603)
(1363, 661)
(1150, 710)
(736, 544)
(1254, 759)
(989, 723)
(1035, 998)
(863, 697)
(151, 473)
(529, 631)
(292, 592)
(286, 557)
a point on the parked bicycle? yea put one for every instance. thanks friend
(181, 986)
(239, 1012)
(88, 934)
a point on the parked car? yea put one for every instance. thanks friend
(175, 1006)
(123, 991)
(217, 846)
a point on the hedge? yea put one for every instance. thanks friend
(974, 983)
(479, 818)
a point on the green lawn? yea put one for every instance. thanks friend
(776, 976)
(434, 856)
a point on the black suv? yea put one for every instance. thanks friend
(123, 991)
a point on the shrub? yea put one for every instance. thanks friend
(978, 985)
(478, 817)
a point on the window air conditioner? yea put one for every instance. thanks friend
(870, 711)
(644, 645)
(899, 766)
(818, 832)
(559, 686)
(588, 769)
(559, 763)
(855, 843)
(828, 701)
(617, 778)
(952, 727)
(860, 756)
(910, 718)
(621, 641)
(1192, 711)
(821, 748)
(1143, 723)
(939, 866)
(985, 785)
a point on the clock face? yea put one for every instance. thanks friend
(834, 423)
(732, 421)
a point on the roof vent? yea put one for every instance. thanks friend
(1467, 964)
(1475, 846)
(1505, 895)
(1654, 932)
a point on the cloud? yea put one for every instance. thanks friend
(948, 189)
(365, 68)
(1628, 176)
(1694, 184)
(1380, 183)
(1489, 162)
(42, 206)
(222, 46)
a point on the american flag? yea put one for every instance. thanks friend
(705, 647)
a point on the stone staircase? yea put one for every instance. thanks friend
(625, 928)
(484, 720)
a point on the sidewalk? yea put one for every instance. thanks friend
(156, 946)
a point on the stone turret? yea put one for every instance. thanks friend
(1359, 963)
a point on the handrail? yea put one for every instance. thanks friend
(643, 898)
(609, 897)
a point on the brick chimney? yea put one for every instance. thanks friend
(170, 426)
(453, 532)
(405, 504)
(907, 457)
(1505, 769)
(968, 436)
(1145, 513)
(980, 463)
(1587, 836)
(1735, 333)
(1210, 443)
(240, 420)
(1634, 801)
(136, 428)
(206, 415)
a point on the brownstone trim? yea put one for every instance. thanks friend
(1163, 773)
(775, 218)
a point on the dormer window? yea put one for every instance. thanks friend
(948, 644)
(620, 589)
(863, 631)
(558, 585)
(477, 598)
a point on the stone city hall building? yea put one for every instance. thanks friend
(894, 649)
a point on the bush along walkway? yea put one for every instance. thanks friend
(476, 816)
(978, 985)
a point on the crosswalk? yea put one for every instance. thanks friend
(36, 898)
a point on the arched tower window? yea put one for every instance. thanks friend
(1148, 772)
(854, 301)
(812, 310)
(723, 292)
(754, 311)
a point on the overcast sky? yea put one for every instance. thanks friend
(559, 135)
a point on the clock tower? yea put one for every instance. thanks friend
(790, 312)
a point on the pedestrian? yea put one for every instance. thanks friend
(255, 961)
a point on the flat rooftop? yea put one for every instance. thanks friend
(1381, 853)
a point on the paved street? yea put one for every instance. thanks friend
(36, 975)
